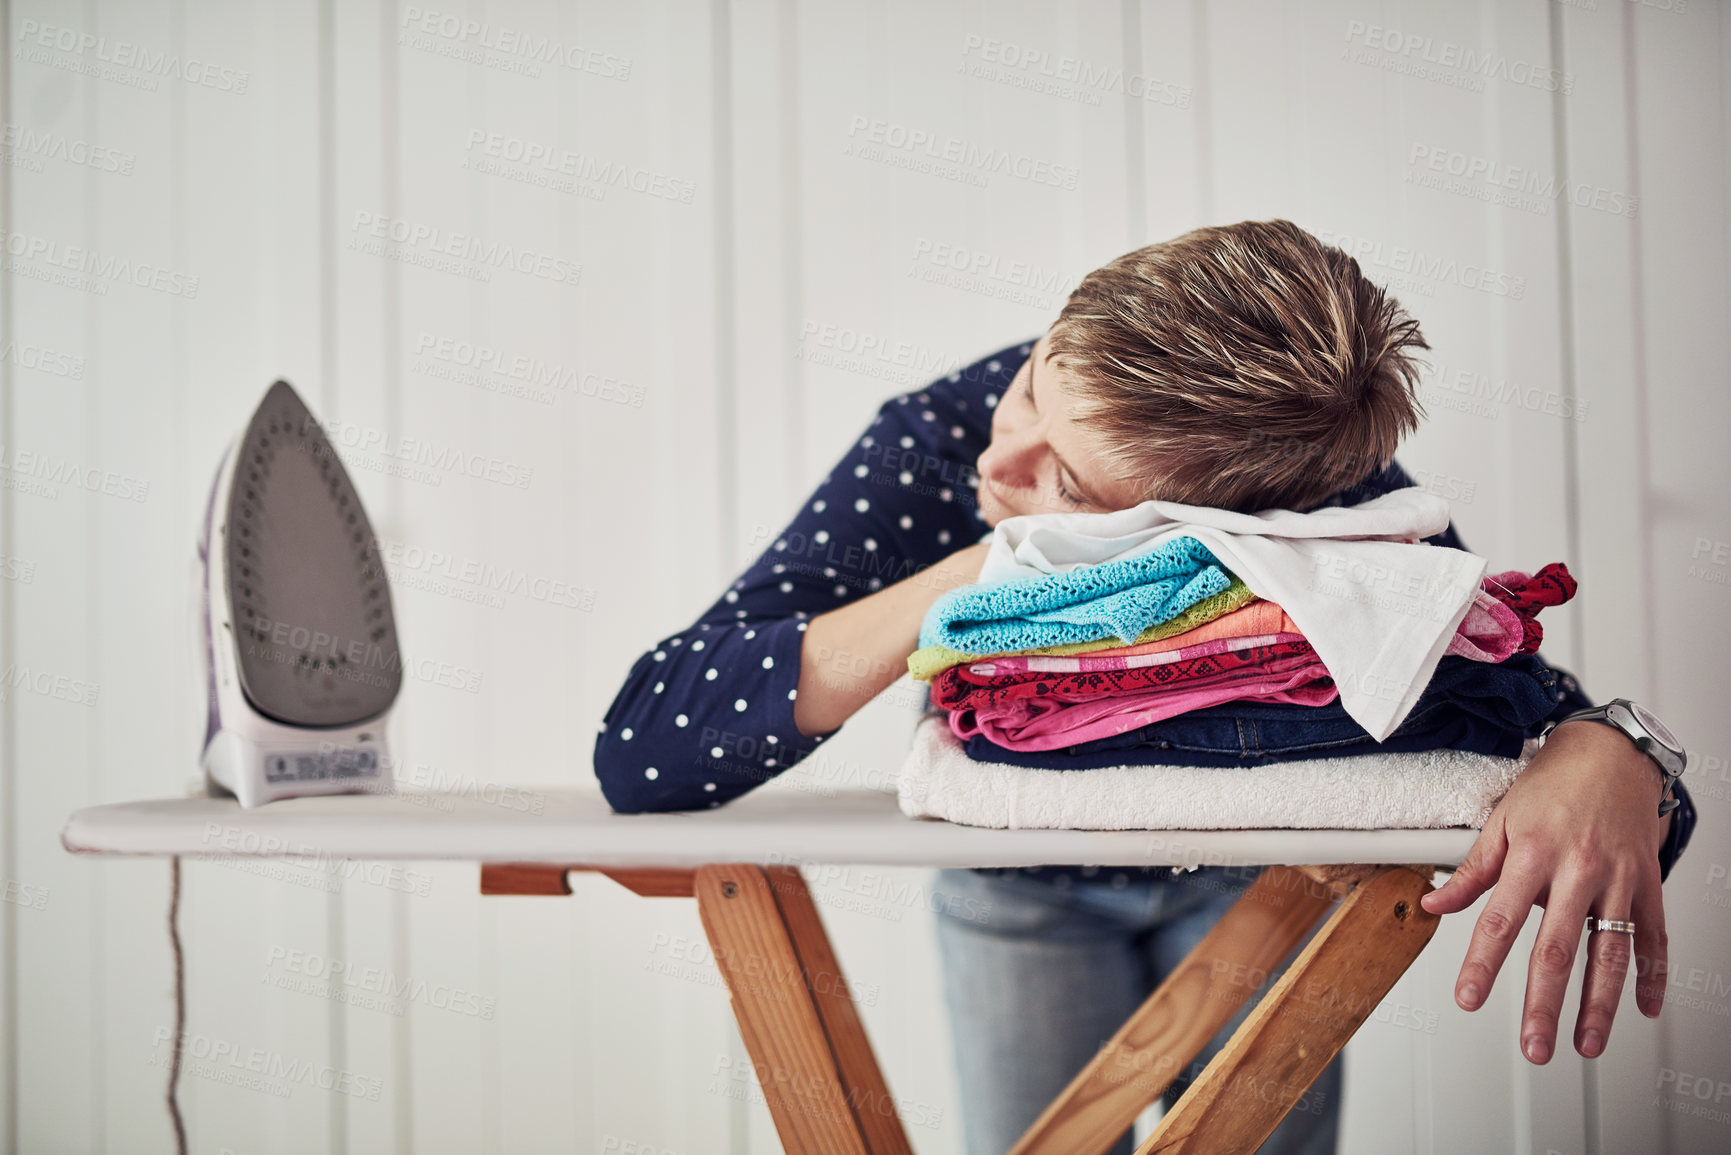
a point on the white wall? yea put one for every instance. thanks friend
(307, 114)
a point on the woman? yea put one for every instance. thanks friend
(1248, 367)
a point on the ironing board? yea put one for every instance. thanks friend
(741, 864)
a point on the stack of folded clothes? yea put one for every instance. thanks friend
(1172, 636)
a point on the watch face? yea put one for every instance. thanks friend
(1654, 727)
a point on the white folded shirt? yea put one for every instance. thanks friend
(1378, 605)
(1425, 790)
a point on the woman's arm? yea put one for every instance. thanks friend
(853, 654)
(822, 620)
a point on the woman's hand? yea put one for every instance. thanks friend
(1577, 834)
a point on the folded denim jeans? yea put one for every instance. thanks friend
(1467, 705)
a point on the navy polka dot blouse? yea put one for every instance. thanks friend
(707, 713)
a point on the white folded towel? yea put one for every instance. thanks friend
(1432, 789)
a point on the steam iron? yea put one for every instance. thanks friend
(300, 649)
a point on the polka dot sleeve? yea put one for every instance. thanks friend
(707, 713)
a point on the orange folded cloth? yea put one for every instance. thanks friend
(1259, 617)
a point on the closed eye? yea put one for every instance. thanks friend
(1065, 493)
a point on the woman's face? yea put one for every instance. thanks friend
(1039, 460)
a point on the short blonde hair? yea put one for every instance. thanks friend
(1247, 366)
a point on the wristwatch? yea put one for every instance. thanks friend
(1651, 737)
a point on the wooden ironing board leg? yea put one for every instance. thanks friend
(1175, 1022)
(796, 1014)
(795, 1010)
(1304, 1020)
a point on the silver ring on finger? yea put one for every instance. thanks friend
(1621, 926)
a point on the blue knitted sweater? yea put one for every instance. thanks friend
(1090, 603)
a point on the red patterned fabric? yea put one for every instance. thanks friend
(959, 689)
(1528, 594)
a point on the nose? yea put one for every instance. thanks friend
(1013, 457)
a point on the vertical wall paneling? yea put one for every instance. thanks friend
(331, 386)
(1135, 161)
(57, 947)
(258, 164)
(1568, 388)
(1602, 330)
(361, 336)
(1676, 65)
(132, 390)
(8, 709)
(324, 209)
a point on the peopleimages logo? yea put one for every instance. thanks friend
(866, 344)
(125, 54)
(22, 141)
(872, 139)
(43, 360)
(344, 980)
(1415, 267)
(420, 451)
(518, 44)
(1069, 77)
(1470, 391)
(62, 687)
(530, 376)
(258, 1068)
(23, 894)
(446, 251)
(581, 166)
(1459, 58)
(401, 560)
(53, 471)
(1487, 176)
(987, 273)
(89, 263)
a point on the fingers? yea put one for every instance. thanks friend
(1552, 961)
(1608, 955)
(1652, 962)
(1495, 932)
(1475, 875)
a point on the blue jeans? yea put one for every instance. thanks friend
(1039, 974)
(1485, 707)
